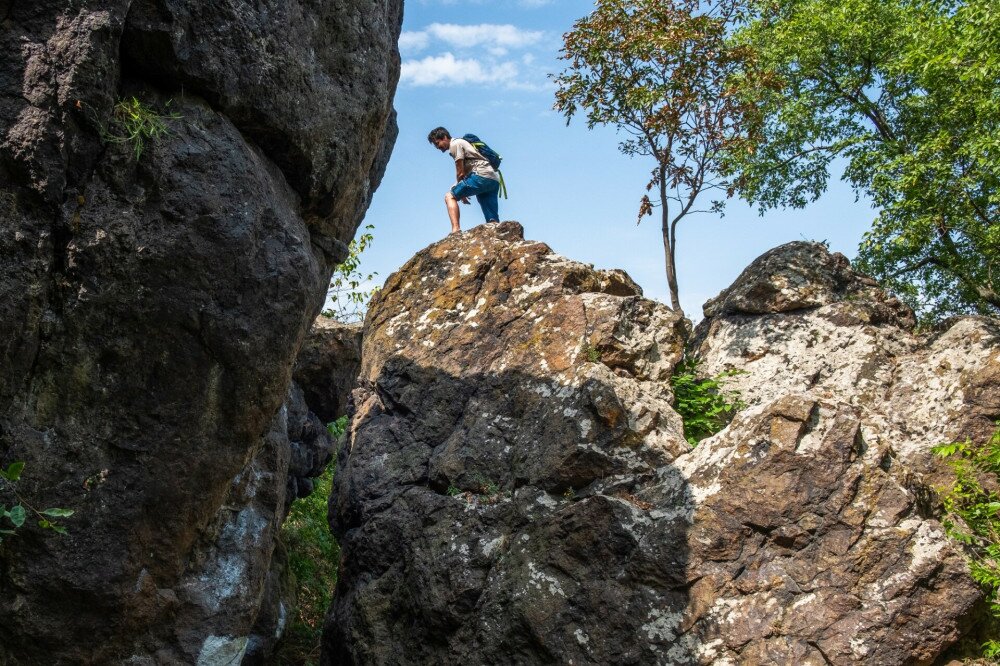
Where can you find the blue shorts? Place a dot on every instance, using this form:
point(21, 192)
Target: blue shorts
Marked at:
point(485, 189)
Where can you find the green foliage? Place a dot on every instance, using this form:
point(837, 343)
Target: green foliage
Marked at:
point(486, 486)
point(482, 491)
point(348, 299)
point(337, 428)
point(18, 513)
point(135, 123)
point(703, 403)
point(313, 557)
point(904, 92)
point(659, 71)
point(973, 515)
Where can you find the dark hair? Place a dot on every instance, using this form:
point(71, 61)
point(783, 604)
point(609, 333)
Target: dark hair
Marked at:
point(438, 133)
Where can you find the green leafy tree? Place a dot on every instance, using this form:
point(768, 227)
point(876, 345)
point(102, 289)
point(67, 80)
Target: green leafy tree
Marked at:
point(905, 93)
point(347, 295)
point(660, 72)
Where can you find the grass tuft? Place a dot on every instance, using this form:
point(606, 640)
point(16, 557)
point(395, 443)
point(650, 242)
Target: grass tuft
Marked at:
point(136, 123)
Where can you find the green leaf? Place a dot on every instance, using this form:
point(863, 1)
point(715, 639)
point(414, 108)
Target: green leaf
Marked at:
point(13, 472)
point(58, 513)
point(17, 515)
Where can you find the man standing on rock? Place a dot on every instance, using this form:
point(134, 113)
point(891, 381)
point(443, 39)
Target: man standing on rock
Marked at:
point(473, 175)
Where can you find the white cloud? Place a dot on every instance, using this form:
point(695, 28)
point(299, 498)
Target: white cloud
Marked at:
point(447, 69)
point(494, 37)
point(486, 34)
point(413, 42)
point(485, 53)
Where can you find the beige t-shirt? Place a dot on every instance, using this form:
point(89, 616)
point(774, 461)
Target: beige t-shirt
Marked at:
point(461, 149)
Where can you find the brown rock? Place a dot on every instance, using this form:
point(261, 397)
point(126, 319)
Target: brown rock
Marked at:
point(803, 275)
point(811, 549)
point(912, 391)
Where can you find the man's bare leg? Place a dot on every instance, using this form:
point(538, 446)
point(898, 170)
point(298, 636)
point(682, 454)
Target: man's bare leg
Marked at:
point(453, 213)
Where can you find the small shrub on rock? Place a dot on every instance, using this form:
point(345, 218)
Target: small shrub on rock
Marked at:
point(973, 518)
point(137, 123)
point(350, 290)
point(704, 405)
point(14, 517)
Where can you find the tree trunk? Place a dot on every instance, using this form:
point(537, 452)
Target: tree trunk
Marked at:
point(668, 249)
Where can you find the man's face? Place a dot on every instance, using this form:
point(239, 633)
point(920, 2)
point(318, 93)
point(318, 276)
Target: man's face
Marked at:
point(442, 144)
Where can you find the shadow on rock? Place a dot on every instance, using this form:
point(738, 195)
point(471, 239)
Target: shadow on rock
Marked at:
point(499, 519)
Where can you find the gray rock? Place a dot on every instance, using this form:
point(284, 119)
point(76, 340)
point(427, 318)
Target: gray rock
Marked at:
point(803, 275)
point(150, 312)
point(307, 81)
point(484, 409)
point(328, 365)
point(514, 488)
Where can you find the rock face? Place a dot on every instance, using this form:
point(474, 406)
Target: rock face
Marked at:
point(328, 365)
point(800, 320)
point(515, 487)
point(151, 308)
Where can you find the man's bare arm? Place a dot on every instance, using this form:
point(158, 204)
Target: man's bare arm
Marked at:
point(460, 176)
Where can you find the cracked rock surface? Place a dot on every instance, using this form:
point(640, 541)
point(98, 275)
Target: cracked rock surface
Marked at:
point(515, 488)
point(151, 308)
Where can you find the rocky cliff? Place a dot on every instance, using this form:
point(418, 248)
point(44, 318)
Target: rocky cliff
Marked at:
point(152, 302)
point(516, 488)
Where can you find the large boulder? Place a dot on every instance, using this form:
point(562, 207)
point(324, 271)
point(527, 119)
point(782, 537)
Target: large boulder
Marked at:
point(328, 365)
point(801, 276)
point(307, 81)
point(151, 307)
point(807, 547)
point(846, 340)
point(515, 488)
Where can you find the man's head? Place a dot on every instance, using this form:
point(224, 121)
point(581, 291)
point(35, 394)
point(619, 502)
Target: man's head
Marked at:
point(440, 138)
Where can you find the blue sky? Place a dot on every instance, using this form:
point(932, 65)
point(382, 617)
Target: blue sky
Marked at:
point(481, 66)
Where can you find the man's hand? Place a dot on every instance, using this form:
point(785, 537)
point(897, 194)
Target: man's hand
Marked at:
point(465, 200)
